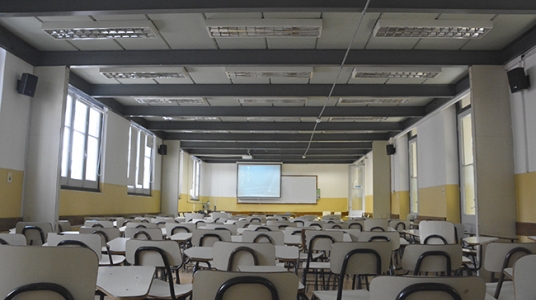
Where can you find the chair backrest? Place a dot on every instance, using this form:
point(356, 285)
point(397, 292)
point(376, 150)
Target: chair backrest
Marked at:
point(207, 237)
point(398, 224)
point(231, 227)
point(281, 224)
point(98, 223)
point(34, 236)
point(437, 232)
point(316, 224)
point(459, 231)
point(364, 262)
point(321, 240)
point(524, 286)
point(64, 225)
point(73, 268)
point(190, 216)
point(376, 225)
point(256, 219)
point(273, 237)
point(172, 228)
point(339, 225)
point(171, 248)
point(207, 283)
point(141, 225)
point(504, 255)
point(219, 216)
point(16, 239)
point(229, 255)
point(390, 287)
point(432, 258)
point(154, 234)
point(107, 234)
point(370, 236)
point(336, 218)
point(92, 241)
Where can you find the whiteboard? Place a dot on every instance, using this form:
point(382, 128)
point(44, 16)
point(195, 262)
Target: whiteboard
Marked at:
point(294, 190)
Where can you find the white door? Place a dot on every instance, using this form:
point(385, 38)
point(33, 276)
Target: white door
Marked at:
point(467, 172)
point(356, 198)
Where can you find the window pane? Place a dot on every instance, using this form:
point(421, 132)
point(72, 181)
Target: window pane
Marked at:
point(77, 156)
point(65, 152)
point(80, 117)
point(94, 122)
point(68, 110)
point(92, 158)
point(467, 134)
point(469, 190)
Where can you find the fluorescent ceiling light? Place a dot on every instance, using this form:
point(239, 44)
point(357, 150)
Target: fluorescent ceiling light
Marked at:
point(269, 72)
point(395, 72)
point(196, 118)
point(143, 73)
point(264, 28)
point(178, 101)
point(274, 119)
point(372, 101)
point(95, 30)
point(356, 119)
point(455, 29)
point(273, 101)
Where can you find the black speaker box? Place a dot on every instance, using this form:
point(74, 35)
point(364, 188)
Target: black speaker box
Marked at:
point(390, 149)
point(27, 84)
point(162, 150)
point(518, 80)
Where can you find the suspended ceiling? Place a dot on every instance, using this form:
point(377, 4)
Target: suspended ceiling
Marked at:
point(220, 118)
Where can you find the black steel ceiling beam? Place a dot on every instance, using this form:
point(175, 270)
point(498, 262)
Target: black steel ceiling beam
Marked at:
point(521, 45)
point(84, 7)
point(272, 152)
point(277, 126)
point(269, 57)
point(274, 111)
point(287, 161)
point(18, 47)
point(273, 137)
point(187, 145)
point(272, 90)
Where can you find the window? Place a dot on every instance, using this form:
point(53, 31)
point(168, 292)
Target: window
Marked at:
point(140, 160)
point(466, 164)
point(413, 186)
point(81, 149)
point(196, 173)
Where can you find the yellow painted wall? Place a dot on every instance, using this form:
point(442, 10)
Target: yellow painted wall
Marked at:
point(111, 200)
point(11, 193)
point(231, 204)
point(369, 204)
point(526, 197)
point(400, 204)
point(440, 201)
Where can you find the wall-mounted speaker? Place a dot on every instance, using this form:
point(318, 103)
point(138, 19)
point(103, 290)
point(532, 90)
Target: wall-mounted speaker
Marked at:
point(518, 80)
point(27, 84)
point(162, 150)
point(390, 149)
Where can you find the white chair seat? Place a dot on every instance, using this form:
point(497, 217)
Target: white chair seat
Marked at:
point(507, 290)
point(160, 289)
point(317, 265)
point(346, 295)
point(303, 256)
point(116, 260)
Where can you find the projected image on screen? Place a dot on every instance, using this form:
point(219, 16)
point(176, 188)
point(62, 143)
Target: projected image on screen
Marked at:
point(259, 181)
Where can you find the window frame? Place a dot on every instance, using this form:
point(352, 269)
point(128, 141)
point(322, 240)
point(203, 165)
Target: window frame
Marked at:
point(196, 179)
point(413, 168)
point(67, 181)
point(134, 187)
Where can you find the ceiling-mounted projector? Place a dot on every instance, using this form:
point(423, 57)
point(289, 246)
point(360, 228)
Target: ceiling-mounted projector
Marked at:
point(247, 157)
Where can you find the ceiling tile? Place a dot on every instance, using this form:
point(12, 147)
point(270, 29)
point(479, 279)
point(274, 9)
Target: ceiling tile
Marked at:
point(143, 44)
point(204, 75)
point(93, 45)
point(291, 43)
point(337, 34)
point(405, 80)
point(449, 75)
point(328, 75)
point(92, 75)
point(292, 15)
point(223, 101)
point(241, 43)
point(184, 31)
point(506, 28)
point(65, 18)
point(249, 15)
point(119, 17)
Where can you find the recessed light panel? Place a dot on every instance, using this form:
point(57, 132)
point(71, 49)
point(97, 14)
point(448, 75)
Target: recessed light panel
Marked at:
point(99, 30)
point(274, 119)
point(196, 118)
point(269, 72)
point(356, 119)
point(264, 28)
point(396, 72)
point(143, 73)
point(272, 101)
point(178, 101)
point(372, 101)
point(454, 29)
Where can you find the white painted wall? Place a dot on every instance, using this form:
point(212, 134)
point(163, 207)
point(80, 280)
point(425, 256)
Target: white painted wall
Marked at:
point(523, 105)
point(170, 178)
point(400, 165)
point(14, 112)
point(219, 180)
point(115, 149)
point(369, 172)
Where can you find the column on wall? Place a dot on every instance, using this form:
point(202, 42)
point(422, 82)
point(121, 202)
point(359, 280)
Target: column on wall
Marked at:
point(400, 178)
point(171, 178)
point(381, 185)
point(42, 176)
point(493, 151)
point(437, 163)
